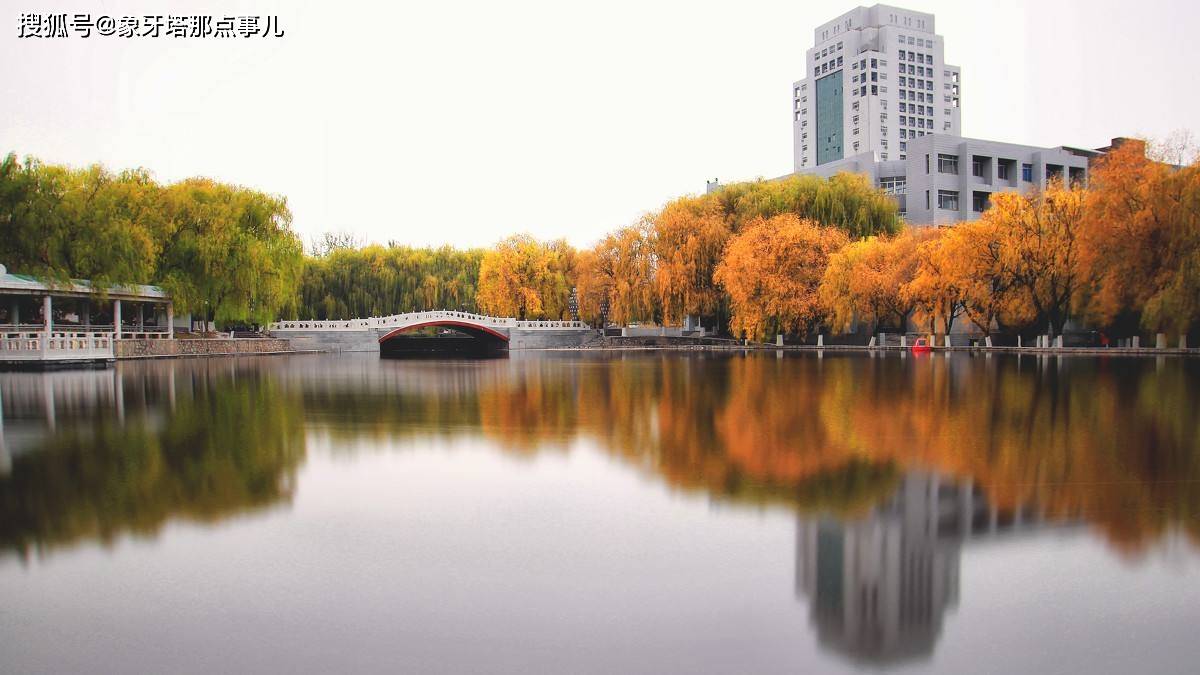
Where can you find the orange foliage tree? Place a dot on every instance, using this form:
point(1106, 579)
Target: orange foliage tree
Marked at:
point(1140, 242)
point(772, 271)
point(526, 278)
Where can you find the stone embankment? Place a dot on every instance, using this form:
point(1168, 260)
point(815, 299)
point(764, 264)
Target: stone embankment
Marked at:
point(143, 349)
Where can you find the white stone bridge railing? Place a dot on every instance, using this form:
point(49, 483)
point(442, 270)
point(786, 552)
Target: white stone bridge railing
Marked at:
point(24, 345)
point(413, 318)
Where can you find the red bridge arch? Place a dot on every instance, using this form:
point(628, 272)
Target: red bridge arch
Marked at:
point(474, 330)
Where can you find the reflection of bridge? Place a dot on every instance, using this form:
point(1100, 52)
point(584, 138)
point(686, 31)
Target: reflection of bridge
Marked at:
point(371, 333)
point(879, 586)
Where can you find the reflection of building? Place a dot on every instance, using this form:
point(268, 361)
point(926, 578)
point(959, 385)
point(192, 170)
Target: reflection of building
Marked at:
point(879, 586)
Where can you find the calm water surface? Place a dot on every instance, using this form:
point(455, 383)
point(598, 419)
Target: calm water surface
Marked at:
point(632, 513)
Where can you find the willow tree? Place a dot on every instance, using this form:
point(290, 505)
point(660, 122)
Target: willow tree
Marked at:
point(1140, 241)
point(527, 279)
point(689, 236)
point(64, 223)
point(846, 201)
point(1040, 247)
point(772, 271)
point(229, 254)
point(865, 280)
point(617, 275)
point(377, 280)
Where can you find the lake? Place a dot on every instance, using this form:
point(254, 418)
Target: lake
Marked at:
point(590, 512)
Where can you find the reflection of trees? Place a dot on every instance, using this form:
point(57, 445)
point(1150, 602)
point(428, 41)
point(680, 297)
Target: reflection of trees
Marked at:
point(231, 444)
point(1114, 442)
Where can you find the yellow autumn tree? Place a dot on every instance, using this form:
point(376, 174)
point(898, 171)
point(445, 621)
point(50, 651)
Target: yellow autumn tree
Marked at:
point(772, 270)
point(933, 290)
point(689, 235)
point(864, 280)
point(1039, 234)
point(969, 264)
point(618, 275)
point(526, 278)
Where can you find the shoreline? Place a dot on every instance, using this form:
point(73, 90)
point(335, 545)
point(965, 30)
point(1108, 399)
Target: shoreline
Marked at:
point(1038, 351)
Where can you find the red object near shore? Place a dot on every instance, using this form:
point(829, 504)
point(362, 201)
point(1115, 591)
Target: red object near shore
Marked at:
point(920, 346)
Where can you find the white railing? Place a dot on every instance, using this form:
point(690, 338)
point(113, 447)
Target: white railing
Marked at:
point(55, 346)
point(411, 318)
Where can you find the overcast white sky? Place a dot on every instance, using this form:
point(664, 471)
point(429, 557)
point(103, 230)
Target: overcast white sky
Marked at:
point(462, 122)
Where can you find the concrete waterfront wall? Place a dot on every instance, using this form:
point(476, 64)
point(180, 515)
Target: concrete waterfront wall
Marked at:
point(543, 338)
point(132, 349)
point(335, 341)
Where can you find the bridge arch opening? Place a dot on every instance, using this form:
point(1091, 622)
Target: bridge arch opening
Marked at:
point(451, 338)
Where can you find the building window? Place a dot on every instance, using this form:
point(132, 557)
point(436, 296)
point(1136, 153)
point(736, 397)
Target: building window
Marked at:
point(903, 145)
point(927, 207)
point(1027, 173)
point(948, 200)
point(979, 201)
point(947, 164)
point(893, 185)
point(977, 168)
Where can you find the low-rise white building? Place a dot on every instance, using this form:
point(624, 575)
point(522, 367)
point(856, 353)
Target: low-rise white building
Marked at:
point(947, 179)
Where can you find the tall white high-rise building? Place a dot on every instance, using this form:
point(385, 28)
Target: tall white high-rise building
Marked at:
point(876, 79)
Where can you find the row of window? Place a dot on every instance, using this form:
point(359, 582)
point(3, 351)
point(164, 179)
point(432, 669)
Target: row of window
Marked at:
point(917, 57)
point(949, 164)
point(830, 50)
point(920, 42)
point(826, 66)
point(947, 200)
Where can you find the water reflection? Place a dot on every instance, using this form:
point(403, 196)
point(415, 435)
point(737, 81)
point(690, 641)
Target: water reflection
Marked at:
point(1110, 442)
point(879, 586)
point(892, 465)
point(98, 454)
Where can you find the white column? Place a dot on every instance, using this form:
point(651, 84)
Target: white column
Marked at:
point(170, 320)
point(116, 319)
point(47, 325)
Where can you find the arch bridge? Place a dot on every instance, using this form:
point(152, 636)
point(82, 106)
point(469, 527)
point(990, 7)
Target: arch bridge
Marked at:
point(488, 333)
